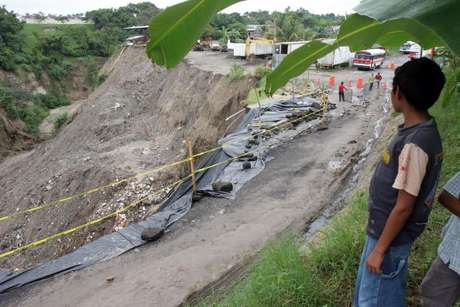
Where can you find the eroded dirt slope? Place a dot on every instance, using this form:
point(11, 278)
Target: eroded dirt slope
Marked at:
point(138, 119)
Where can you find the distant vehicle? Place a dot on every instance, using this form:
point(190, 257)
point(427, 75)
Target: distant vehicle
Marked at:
point(258, 47)
point(410, 47)
point(136, 40)
point(282, 49)
point(198, 46)
point(340, 56)
point(140, 39)
point(369, 59)
point(215, 46)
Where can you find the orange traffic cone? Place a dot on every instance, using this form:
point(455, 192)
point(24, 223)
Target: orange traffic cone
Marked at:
point(360, 83)
point(332, 80)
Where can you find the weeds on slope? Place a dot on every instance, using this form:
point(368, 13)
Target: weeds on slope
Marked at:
point(325, 276)
point(425, 248)
point(284, 276)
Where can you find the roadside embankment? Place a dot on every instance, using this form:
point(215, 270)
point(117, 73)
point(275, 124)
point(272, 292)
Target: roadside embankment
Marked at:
point(284, 275)
point(137, 120)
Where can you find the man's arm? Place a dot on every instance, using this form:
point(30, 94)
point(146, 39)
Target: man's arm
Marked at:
point(395, 223)
point(450, 203)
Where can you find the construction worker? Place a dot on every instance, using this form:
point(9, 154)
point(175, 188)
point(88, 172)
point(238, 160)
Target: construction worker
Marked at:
point(341, 92)
point(378, 78)
point(371, 82)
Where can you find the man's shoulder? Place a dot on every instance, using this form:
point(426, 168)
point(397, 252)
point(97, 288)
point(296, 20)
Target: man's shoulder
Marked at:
point(426, 137)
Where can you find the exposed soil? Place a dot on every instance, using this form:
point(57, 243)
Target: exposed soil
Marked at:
point(218, 235)
point(137, 119)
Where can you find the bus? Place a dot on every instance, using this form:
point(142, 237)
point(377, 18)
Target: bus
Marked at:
point(369, 59)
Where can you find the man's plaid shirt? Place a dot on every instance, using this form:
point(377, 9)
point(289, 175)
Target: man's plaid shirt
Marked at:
point(449, 249)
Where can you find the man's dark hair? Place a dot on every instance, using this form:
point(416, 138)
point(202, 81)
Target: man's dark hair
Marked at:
point(341, 82)
point(420, 81)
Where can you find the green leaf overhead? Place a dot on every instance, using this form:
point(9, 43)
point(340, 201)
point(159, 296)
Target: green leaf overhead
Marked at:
point(398, 31)
point(390, 23)
point(441, 16)
point(353, 29)
point(358, 32)
point(174, 31)
point(295, 64)
point(299, 60)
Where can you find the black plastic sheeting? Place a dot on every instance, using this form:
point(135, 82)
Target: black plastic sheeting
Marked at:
point(179, 201)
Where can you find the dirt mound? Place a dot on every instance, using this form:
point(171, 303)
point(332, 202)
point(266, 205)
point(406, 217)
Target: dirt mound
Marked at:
point(136, 120)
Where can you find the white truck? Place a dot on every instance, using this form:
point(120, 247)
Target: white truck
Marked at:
point(341, 55)
point(252, 47)
point(410, 47)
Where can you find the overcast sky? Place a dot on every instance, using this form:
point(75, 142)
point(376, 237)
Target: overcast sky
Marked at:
point(80, 6)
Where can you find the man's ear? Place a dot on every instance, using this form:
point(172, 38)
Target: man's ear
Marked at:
point(398, 93)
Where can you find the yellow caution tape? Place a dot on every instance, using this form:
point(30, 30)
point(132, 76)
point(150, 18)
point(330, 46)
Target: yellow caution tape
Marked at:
point(106, 217)
point(128, 179)
point(101, 188)
point(90, 223)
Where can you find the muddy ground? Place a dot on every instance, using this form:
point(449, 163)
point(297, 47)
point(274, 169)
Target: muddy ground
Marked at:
point(125, 128)
point(218, 235)
point(139, 118)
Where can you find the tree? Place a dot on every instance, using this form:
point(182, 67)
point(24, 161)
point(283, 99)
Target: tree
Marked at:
point(10, 42)
point(392, 22)
point(143, 12)
point(130, 15)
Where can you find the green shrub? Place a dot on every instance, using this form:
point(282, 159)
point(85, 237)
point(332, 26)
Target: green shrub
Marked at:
point(236, 73)
point(60, 120)
point(8, 103)
point(101, 78)
point(261, 72)
point(59, 71)
point(52, 100)
point(32, 115)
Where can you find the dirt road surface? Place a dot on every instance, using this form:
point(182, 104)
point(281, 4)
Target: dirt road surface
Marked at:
point(217, 235)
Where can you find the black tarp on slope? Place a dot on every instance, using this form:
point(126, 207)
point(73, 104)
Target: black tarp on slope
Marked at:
point(179, 201)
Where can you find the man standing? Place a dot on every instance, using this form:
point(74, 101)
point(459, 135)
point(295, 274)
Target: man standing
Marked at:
point(441, 285)
point(371, 82)
point(341, 92)
point(403, 187)
point(378, 78)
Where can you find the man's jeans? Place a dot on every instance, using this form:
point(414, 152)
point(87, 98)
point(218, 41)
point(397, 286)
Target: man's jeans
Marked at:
point(386, 289)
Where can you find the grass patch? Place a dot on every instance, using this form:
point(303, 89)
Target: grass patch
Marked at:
point(325, 276)
point(284, 276)
point(60, 120)
point(237, 72)
point(257, 94)
point(261, 72)
point(425, 248)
